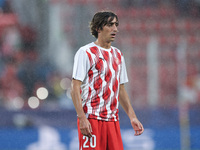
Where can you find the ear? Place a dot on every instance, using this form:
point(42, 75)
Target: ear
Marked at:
point(98, 30)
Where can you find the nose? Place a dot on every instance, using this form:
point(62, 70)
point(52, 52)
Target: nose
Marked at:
point(115, 28)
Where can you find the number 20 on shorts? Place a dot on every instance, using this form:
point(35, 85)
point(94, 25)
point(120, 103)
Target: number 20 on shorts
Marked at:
point(89, 142)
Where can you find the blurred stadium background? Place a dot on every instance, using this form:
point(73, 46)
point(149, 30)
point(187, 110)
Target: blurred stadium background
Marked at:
point(161, 43)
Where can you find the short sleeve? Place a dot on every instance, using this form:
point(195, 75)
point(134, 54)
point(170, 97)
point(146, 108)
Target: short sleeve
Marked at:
point(123, 75)
point(81, 65)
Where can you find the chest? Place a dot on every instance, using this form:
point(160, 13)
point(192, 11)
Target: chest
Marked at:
point(106, 62)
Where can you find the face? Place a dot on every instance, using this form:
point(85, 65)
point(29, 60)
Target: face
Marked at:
point(109, 31)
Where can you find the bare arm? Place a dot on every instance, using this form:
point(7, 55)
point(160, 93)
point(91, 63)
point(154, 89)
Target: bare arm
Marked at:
point(84, 124)
point(126, 105)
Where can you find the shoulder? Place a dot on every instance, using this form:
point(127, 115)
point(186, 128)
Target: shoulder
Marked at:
point(85, 48)
point(86, 52)
point(117, 50)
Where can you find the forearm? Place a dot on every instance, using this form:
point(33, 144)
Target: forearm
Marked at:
point(76, 98)
point(125, 102)
point(84, 124)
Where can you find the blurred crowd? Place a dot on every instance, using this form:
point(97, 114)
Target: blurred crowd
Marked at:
point(23, 71)
point(186, 7)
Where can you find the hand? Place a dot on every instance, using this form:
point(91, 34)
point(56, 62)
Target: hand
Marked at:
point(137, 126)
point(85, 127)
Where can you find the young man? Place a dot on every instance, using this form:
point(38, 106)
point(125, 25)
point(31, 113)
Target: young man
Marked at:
point(97, 88)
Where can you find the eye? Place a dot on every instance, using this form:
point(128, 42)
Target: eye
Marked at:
point(110, 24)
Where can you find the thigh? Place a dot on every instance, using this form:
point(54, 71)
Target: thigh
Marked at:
point(98, 141)
point(114, 136)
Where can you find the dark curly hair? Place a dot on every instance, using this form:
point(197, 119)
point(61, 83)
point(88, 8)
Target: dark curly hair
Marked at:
point(101, 19)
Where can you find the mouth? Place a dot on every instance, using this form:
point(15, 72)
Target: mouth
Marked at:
point(113, 34)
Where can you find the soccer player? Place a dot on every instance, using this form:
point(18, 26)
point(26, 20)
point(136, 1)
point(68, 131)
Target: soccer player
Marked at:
point(97, 88)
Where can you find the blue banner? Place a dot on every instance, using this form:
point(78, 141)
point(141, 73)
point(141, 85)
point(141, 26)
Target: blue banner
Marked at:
point(49, 138)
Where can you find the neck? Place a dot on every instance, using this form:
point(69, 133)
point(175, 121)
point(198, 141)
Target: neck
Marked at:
point(105, 45)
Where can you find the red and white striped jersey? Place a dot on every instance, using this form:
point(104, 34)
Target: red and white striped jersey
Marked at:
point(101, 72)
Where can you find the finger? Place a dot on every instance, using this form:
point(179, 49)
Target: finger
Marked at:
point(140, 132)
point(89, 135)
point(142, 129)
point(141, 126)
point(89, 132)
point(137, 133)
point(83, 132)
